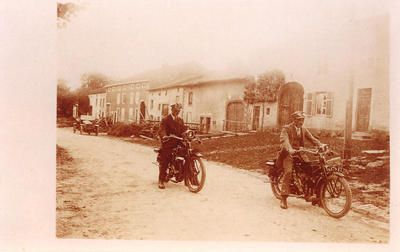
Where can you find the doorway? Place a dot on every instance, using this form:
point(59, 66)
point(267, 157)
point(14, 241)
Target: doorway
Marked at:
point(363, 109)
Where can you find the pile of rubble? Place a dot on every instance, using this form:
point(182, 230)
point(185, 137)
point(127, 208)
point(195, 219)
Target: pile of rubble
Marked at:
point(369, 178)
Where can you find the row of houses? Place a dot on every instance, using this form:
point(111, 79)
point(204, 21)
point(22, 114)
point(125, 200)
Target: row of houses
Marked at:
point(216, 102)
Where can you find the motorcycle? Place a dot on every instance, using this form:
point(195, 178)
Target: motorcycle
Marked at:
point(321, 181)
point(186, 164)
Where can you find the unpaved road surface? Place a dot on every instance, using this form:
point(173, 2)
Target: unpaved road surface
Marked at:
point(109, 191)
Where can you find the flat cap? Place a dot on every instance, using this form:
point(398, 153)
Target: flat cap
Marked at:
point(176, 106)
point(298, 115)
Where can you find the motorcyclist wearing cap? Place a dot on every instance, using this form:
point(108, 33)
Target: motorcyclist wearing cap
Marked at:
point(292, 139)
point(170, 125)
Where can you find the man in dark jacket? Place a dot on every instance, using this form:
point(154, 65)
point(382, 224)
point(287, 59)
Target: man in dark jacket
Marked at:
point(170, 125)
point(292, 139)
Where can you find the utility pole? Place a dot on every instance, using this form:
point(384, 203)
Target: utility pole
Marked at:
point(348, 125)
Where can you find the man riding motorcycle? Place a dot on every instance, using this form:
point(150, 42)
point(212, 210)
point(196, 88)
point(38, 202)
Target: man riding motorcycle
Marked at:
point(291, 140)
point(170, 125)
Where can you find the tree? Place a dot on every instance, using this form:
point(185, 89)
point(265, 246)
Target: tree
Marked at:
point(90, 83)
point(268, 84)
point(64, 13)
point(264, 89)
point(65, 99)
point(250, 93)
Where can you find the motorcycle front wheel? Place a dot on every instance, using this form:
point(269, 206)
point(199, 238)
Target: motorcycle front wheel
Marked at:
point(336, 196)
point(276, 185)
point(196, 175)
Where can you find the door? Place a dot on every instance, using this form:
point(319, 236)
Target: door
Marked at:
point(363, 109)
point(290, 100)
point(256, 117)
point(235, 117)
point(142, 111)
point(205, 123)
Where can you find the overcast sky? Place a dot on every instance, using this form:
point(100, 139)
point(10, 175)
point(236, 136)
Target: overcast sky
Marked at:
point(122, 37)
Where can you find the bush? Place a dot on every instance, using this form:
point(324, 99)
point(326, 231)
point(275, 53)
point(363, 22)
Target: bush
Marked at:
point(65, 122)
point(380, 135)
point(125, 130)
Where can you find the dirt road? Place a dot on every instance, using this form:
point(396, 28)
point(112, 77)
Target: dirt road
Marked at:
point(109, 191)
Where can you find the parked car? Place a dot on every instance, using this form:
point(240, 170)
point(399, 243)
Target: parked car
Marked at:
point(86, 126)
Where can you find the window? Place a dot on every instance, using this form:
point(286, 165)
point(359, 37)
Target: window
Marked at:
point(122, 114)
point(190, 98)
point(268, 111)
point(159, 107)
point(118, 115)
point(309, 104)
point(118, 98)
point(151, 104)
point(131, 98)
point(166, 91)
point(177, 99)
point(123, 98)
point(137, 97)
point(319, 103)
point(188, 117)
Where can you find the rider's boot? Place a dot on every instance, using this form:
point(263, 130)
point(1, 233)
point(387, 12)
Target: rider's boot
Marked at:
point(284, 202)
point(310, 198)
point(161, 184)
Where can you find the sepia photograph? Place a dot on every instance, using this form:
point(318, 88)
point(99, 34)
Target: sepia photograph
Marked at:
point(223, 120)
point(244, 122)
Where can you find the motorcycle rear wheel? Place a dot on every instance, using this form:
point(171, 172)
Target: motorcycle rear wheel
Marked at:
point(196, 176)
point(276, 185)
point(336, 196)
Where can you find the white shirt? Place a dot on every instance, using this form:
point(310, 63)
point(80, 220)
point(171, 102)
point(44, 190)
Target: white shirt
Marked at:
point(298, 130)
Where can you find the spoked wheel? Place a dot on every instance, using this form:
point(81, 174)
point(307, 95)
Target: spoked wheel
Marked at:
point(335, 196)
point(196, 176)
point(276, 185)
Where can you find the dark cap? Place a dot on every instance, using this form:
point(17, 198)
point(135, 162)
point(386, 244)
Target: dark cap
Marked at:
point(176, 106)
point(298, 115)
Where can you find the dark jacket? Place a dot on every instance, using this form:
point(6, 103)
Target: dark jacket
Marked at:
point(169, 126)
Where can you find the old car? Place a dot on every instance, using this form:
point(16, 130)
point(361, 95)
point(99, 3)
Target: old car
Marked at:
point(86, 126)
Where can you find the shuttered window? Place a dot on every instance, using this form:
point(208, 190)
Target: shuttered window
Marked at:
point(319, 103)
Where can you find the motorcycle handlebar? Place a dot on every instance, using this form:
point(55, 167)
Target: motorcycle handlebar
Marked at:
point(321, 149)
point(166, 138)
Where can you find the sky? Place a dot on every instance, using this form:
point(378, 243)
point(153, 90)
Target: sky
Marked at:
point(121, 38)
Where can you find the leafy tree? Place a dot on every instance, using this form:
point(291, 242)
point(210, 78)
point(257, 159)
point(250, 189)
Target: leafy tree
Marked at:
point(250, 93)
point(90, 83)
point(265, 89)
point(64, 13)
point(65, 99)
point(268, 84)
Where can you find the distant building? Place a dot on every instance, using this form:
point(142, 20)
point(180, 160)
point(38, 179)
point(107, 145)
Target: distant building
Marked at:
point(126, 101)
point(213, 104)
point(97, 103)
point(330, 60)
point(361, 56)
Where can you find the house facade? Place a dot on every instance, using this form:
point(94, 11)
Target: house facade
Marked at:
point(97, 102)
point(214, 105)
point(126, 102)
point(364, 76)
